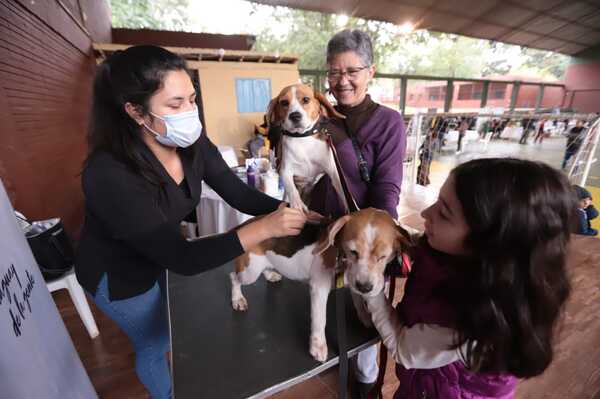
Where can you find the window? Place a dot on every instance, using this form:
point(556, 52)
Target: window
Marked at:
point(477, 91)
point(470, 91)
point(465, 91)
point(433, 93)
point(253, 95)
point(498, 90)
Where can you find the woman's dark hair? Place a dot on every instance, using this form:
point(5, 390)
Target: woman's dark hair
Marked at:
point(520, 214)
point(132, 75)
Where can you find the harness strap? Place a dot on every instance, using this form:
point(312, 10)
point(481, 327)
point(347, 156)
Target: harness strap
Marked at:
point(340, 308)
point(352, 205)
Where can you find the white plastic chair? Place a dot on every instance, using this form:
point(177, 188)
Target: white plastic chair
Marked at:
point(69, 282)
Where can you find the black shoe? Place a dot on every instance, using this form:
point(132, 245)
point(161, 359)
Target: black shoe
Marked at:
point(361, 390)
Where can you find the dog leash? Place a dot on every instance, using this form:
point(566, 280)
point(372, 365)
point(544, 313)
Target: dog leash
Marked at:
point(375, 392)
point(352, 205)
point(340, 308)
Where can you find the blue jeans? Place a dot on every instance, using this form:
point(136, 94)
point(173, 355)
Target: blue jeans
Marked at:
point(367, 370)
point(144, 319)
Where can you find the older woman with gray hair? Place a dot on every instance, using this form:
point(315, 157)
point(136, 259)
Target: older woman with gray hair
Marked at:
point(373, 163)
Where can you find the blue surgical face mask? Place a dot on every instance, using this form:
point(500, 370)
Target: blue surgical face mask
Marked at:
point(183, 129)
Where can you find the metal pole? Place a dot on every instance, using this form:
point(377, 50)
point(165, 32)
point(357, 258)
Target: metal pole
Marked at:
point(590, 159)
point(319, 83)
point(403, 82)
point(484, 94)
point(449, 94)
point(514, 96)
point(540, 97)
point(417, 130)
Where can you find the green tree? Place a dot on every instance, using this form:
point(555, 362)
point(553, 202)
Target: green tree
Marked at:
point(308, 34)
point(440, 54)
point(421, 52)
point(546, 62)
point(150, 14)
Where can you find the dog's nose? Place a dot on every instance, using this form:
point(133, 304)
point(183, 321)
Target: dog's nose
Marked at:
point(364, 287)
point(295, 116)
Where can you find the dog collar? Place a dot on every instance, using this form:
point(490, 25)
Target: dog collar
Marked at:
point(339, 270)
point(319, 127)
point(339, 279)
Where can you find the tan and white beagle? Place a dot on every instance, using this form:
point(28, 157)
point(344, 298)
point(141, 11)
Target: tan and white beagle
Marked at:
point(360, 244)
point(298, 109)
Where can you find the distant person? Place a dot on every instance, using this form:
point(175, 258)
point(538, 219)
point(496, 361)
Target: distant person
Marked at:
point(483, 129)
point(586, 212)
point(540, 133)
point(500, 128)
point(462, 130)
point(574, 140)
point(528, 125)
point(425, 158)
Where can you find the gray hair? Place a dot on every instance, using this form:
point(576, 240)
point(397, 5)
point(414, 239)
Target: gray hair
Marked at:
point(351, 40)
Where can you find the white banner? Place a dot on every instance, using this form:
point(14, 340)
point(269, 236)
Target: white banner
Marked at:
point(37, 356)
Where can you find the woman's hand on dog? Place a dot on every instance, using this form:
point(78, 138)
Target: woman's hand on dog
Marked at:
point(285, 221)
point(280, 223)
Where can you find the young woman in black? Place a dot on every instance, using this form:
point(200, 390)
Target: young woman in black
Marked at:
point(148, 155)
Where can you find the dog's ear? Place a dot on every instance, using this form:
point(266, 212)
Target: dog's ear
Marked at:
point(404, 240)
point(328, 238)
point(327, 109)
point(404, 248)
point(272, 111)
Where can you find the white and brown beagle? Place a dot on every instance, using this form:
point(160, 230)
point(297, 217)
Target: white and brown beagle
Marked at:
point(304, 153)
point(360, 244)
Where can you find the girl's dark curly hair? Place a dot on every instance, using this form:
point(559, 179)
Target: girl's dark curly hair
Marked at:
point(520, 215)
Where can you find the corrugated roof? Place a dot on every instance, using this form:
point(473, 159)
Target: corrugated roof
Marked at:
point(564, 26)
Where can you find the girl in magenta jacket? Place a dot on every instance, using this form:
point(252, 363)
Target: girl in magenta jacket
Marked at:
point(487, 286)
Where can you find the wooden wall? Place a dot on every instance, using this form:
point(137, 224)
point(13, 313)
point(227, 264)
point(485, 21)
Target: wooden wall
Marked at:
point(46, 73)
point(224, 125)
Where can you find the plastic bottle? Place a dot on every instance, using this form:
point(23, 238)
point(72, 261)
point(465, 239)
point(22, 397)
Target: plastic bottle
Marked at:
point(251, 175)
point(271, 183)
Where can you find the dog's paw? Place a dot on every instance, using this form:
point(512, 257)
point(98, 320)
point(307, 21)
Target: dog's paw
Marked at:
point(318, 348)
point(239, 304)
point(272, 276)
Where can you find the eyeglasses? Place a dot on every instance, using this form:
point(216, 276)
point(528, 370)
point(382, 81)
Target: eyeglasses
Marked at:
point(351, 73)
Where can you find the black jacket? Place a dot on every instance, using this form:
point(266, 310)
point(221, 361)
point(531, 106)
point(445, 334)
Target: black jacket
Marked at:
point(132, 228)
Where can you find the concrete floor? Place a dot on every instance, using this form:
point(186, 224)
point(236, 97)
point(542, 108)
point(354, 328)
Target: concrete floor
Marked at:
point(551, 151)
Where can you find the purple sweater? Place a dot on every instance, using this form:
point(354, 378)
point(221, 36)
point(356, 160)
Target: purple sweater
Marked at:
point(420, 305)
point(382, 139)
